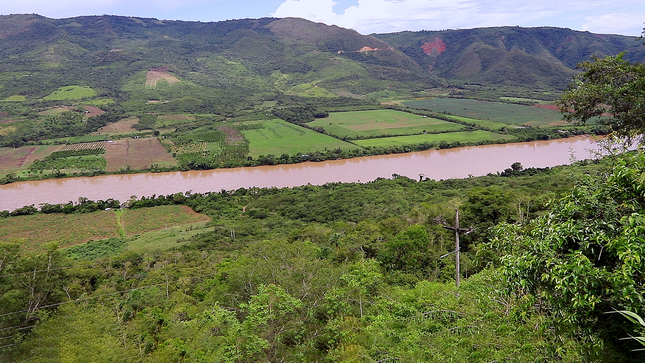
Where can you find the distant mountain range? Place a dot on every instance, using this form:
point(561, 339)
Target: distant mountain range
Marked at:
point(254, 60)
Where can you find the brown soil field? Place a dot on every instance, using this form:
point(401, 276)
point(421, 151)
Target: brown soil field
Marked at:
point(65, 229)
point(121, 127)
point(153, 77)
point(138, 154)
point(93, 111)
point(147, 219)
point(548, 106)
point(233, 137)
point(12, 160)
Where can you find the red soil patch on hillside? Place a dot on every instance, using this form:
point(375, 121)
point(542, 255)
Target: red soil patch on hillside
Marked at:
point(434, 48)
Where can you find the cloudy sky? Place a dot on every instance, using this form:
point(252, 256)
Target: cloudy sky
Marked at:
point(368, 16)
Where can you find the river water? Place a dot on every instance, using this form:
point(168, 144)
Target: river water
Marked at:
point(433, 164)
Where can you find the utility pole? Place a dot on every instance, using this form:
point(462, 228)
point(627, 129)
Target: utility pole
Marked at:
point(456, 251)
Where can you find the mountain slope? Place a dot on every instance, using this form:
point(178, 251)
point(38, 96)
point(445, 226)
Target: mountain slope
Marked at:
point(232, 65)
point(527, 57)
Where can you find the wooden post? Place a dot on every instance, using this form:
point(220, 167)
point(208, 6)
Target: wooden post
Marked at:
point(457, 246)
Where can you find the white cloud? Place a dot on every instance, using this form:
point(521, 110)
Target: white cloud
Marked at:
point(371, 16)
point(616, 23)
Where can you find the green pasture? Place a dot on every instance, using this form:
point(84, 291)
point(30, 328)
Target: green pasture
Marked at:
point(279, 137)
point(15, 98)
point(168, 121)
point(449, 137)
point(71, 93)
point(484, 110)
point(376, 123)
point(488, 124)
point(522, 99)
point(100, 102)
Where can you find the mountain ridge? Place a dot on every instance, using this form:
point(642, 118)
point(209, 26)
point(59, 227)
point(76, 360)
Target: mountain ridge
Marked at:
point(252, 60)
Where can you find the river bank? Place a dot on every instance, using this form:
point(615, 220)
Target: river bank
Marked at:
point(432, 164)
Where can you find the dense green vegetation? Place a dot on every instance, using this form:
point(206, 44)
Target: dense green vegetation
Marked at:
point(348, 272)
point(338, 272)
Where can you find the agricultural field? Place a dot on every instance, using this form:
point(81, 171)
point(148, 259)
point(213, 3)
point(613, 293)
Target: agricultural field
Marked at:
point(89, 110)
point(17, 160)
point(136, 221)
point(277, 137)
point(449, 137)
point(122, 127)
point(33, 231)
point(486, 124)
point(169, 121)
point(65, 229)
point(154, 77)
point(136, 154)
point(73, 158)
point(377, 123)
point(484, 110)
point(71, 93)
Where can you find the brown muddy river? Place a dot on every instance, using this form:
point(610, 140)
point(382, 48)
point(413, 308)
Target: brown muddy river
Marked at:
point(433, 164)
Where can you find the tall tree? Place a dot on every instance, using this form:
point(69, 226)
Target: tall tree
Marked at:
point(612, 87)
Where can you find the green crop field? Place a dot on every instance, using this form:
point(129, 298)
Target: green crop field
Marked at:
point(71, 93)
point(488, 124)
point(449, 137)
point(375, 123)
point(484, 110)
point(279, 137)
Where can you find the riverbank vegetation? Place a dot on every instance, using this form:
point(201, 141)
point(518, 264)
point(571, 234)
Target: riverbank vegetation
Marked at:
point(339, 272)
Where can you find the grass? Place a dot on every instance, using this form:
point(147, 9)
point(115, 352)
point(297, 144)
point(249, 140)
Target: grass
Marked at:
point(279, 137)
point(137, 221)
point(166, 238)
point(488, 124)
point(15, 98)
point(77, 139)
point(158, 240)
point(168, 121)
point(449, 137)
point(65, 229)
point(33, 231)
point(71, 93)
point(376, 123)
point(310, 90)
point(484, 110)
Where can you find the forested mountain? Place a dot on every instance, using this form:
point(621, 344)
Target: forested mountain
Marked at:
point(238, 63)
point(530, 57)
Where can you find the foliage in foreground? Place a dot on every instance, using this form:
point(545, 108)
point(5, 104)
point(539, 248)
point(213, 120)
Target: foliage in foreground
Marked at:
point(340, 272)
point(586, 256)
